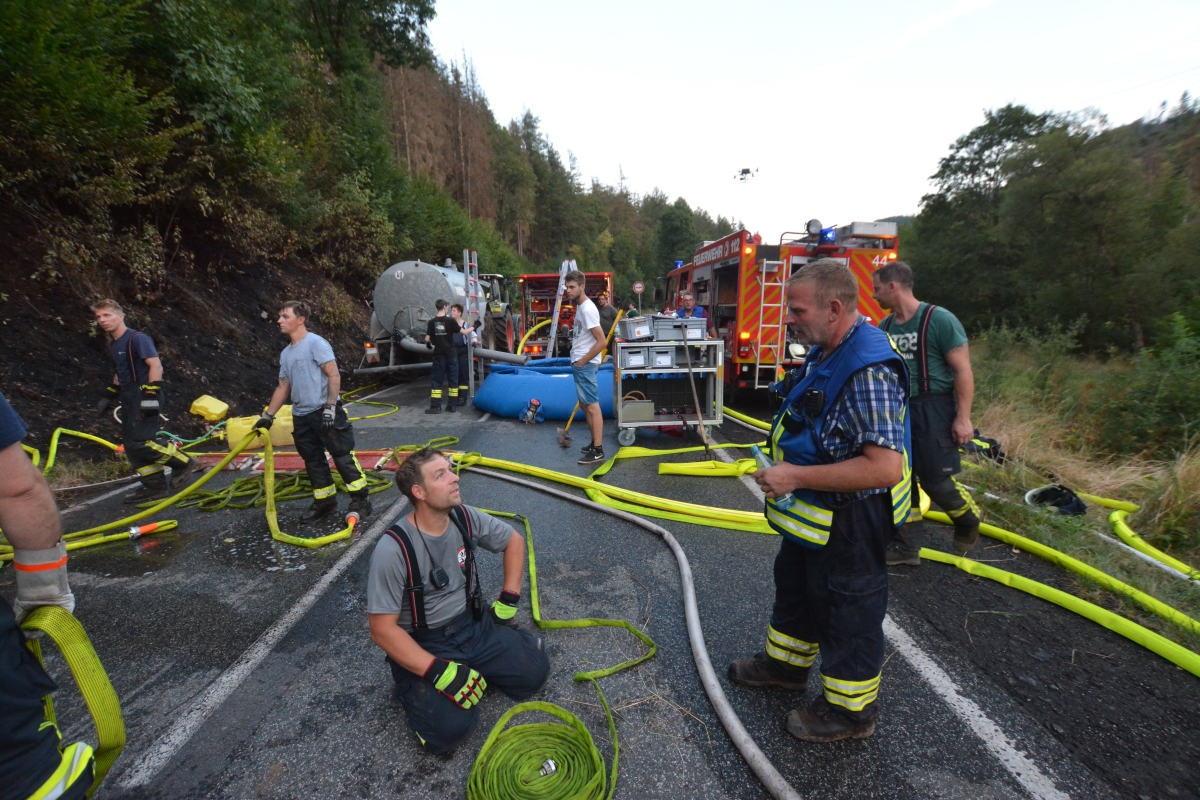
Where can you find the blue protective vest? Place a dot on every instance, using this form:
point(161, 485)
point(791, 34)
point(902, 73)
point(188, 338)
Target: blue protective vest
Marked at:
point(809, 521)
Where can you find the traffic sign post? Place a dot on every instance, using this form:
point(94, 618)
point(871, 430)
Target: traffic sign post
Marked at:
point(638, 288)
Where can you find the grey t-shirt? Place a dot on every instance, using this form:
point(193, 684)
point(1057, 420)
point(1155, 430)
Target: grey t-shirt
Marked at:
point(388, 577)
point(301, 364)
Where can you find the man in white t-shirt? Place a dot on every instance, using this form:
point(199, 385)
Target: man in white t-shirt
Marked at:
point(587, 344)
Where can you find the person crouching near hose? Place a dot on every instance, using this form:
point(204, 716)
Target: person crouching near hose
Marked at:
point(426, 609)
point(309, 377)
point(839, 487)
point(33, 762)
point(934, 344)
point(137, 384)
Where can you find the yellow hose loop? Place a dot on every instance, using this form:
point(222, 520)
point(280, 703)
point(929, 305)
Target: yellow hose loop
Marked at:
point(1131, 538)
point(1176, 654)
point(392, 407)
point(6, 551)
point(757, 423)
point(528, 333)
point(273, 518)
point(1105, 580)
point(246, 441)
point(52, 453)
point(70, 638)
point(509, 765)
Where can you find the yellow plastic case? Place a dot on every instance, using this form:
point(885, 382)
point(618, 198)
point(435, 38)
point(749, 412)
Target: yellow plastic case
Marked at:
point(210, 408)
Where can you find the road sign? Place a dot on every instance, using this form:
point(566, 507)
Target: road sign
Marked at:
point(638, 287)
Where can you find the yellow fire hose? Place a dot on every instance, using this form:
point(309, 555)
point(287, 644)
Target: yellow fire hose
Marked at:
point(528, 333)
point(509, 765)
point(751, 421)
point(392, 407)
point(68, 635)
point(52, 452)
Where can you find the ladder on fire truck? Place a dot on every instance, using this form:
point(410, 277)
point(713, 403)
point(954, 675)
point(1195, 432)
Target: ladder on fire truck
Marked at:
point(775, 320)
point(566, 267)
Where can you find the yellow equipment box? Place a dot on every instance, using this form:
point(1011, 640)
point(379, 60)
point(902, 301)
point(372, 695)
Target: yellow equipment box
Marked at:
point(210, 408)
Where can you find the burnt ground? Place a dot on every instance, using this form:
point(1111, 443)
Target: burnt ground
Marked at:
point(216, 335)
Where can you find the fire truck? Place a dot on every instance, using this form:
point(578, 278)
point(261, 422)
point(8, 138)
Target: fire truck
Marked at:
point(739, 282)
point(537, 296)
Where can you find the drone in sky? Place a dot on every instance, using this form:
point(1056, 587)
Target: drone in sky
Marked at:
point(746, 174)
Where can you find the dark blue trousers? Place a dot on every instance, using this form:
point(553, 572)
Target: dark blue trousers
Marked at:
point(832, 600)
point(444, 378)
point(511, 660)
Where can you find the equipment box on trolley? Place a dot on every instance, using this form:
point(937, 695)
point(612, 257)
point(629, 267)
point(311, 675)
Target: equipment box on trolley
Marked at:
point(660, 393)
point(676, 329)
point(633, 358)
point(632, 329)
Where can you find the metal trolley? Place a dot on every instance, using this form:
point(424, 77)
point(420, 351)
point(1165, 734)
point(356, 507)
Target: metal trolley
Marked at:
point(651, 384)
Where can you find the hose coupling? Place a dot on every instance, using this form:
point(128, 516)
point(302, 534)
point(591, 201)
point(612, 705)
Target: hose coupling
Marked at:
point(138, 531)
point(549, 767)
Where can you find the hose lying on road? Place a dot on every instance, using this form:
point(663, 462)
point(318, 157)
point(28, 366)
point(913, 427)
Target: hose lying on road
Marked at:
point(746, 421)
point(511, 758)
point(774, 783)
point(392, 407)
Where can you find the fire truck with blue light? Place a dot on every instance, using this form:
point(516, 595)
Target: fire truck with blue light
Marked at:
point(739, 281)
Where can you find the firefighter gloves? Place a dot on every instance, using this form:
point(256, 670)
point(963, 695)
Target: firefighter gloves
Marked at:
point(265, 421)
point(463, 685)
point(42, 580)
point(328, 416)
point(151, 399)
point(504, 610)
point(108, 395)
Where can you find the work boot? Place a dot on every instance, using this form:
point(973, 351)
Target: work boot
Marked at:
point(450, 408)
point(318, 509)
point(433, 410)
point(895, 557)
point(179, 476)
point(762, 670)
point(822, 722)
point(361, 506)
point(593, 456)
point(965, 539)
point(147, 492)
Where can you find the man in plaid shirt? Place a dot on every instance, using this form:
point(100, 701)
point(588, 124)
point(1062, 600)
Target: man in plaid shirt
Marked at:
point(840, 485)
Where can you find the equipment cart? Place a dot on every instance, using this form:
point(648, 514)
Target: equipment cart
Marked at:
point(651, 384)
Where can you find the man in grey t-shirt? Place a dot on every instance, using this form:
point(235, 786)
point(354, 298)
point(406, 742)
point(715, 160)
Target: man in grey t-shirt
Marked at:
point(422, 592)
point(309, 376)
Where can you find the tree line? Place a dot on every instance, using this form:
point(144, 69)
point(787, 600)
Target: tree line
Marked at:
point(1044, 220)
point(149, 141)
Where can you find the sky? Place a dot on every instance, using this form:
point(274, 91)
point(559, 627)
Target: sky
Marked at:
point(843, 109)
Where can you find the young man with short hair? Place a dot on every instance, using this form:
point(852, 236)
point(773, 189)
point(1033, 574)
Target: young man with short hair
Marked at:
point(587, 344)
point(460, 348)
point(309, 377)
point(439, 334)
point(138, 384)
point(934, 344)
point(426, 612)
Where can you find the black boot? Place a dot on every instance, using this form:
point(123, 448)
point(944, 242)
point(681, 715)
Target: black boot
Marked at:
point(153, 488)
point(318, 509)
point(433, 410)
point(762, 670)
point(180, 475)
point(965, 538)
point(905, 547)
point(822, 722)
point(360, 505)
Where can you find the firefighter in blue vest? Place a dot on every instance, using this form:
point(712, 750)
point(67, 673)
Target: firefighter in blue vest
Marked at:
point(838, 489)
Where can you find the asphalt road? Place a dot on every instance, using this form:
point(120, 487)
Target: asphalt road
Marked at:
point(245, 668)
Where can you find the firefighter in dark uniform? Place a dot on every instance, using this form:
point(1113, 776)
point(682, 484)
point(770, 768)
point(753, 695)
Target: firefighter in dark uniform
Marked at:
point(461, 352)
point(443, 375)
point(839, 487)
point(138, 384)
point(934, 344)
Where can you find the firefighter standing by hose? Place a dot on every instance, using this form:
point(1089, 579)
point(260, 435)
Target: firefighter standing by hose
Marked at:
point(460, 349)
point(308, 375)
point(443, 375)
point(32, 764)
point(934, 343)
point(839, 487)
point(138, 384)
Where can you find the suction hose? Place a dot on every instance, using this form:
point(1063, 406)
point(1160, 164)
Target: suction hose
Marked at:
point(762, 768)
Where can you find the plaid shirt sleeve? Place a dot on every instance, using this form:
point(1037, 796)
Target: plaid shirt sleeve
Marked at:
point(869, 410)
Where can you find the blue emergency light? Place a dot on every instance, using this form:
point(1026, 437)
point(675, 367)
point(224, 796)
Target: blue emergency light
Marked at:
point(828, 235)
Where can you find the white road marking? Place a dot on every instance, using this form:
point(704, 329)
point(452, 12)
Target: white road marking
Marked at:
point(1023, 770)
point(228, 681)
point(94, 500)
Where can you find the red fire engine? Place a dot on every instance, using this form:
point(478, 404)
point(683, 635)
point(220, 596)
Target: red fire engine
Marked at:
point(537, 295)
point(739, 283)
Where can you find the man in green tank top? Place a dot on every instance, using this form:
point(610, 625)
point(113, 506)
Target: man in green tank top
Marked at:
point(941, 387)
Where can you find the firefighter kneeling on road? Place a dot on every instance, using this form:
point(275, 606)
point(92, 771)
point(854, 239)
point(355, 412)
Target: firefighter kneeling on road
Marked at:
point(840, 444)
point(426, 612)
point(308, 374)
